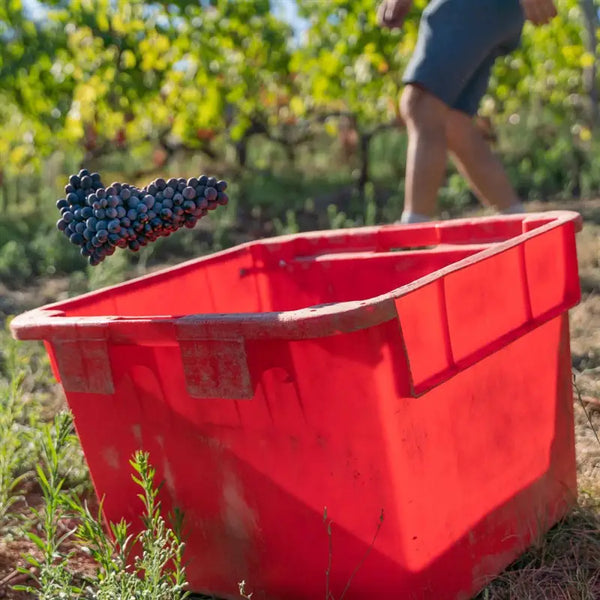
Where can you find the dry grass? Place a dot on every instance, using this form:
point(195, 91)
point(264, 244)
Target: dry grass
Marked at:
point(564, 565)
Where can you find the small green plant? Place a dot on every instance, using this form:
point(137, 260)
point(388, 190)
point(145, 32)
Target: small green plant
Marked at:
point(14, 443)
point(157, 571)
point(338, 219)
point(290, 226)
point(154, 572)
point(50, 572)
point(370, 205)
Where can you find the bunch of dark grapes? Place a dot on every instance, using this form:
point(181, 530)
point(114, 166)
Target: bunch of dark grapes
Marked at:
point(101, 219)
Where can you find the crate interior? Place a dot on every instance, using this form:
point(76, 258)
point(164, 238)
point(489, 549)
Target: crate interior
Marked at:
point(236, 282)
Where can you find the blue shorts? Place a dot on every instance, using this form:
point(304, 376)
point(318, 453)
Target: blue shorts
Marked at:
point(458, 43)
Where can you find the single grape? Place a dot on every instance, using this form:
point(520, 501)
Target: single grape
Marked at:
point(221, 185)
point(211, 182)
point(76, 239)
point(88, 234)
point(62, 203)
point(101, 224)
point(80, 227)
point(134, 245)
point(69, 189)
point(61, 224)
point(192, 182)
point(114, 226)
point(160, 183)
point(101, 193)
point(189, 206)
point(72, 198)
point(102, 235)
point(83, 173)
point(121, 212)
point(132, 214)
point(68, 216)
point(125, 222)
point(203, 179)
point(211, 194)
point(169, 192)
point(149, 200)
point(110, 191)
point(125, 194)
point(74, 181)
point(86, 182)
point(142, 208)
point(189, 193)
point(178, 199)
point(111, 213)
point(100, 213)
point(190, 222)
point(222, 198)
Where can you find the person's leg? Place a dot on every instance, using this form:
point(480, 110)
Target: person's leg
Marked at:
point(458, 42)
point(425, 118)
point(477, 163)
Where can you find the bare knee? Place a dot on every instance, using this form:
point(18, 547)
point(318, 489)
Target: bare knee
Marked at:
point(421, 110)
point(462, 133)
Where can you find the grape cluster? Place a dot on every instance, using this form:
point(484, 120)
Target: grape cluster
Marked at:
point(100, 219)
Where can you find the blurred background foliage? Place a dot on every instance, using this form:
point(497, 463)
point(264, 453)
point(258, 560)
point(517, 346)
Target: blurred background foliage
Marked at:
point(300, 113)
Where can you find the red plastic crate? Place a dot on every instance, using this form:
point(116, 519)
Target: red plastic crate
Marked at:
point(421, 373)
